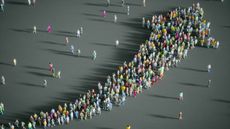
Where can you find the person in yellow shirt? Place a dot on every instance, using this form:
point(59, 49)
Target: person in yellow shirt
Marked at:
point(128, 127)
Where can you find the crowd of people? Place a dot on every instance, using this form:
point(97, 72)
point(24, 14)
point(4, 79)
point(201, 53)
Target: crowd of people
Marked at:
point(172, 36)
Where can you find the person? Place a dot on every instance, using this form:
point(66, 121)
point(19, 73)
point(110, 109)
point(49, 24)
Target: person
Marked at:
point(181, 96)
point(50, 66)
point(128, 10)
point(3, 2)
point(222, 1)
point(16, 123)
point(94, 55)
point(1, 108)
point(14, 62)
point(108, 2)
point(78, 33)
point(29, 125)
point(81, 30)
point(72, 49)
point(122, 3)
point(29, 2)
point(34, 1)
point(3, 80)
point(59, 74)
point(66, 40)
point(35, 30)
point(104, 13)
point(117, 43)
point(144, 3)
point(209, 68)
point(78, 52)
point(143, 21)
point(2, 126)
point(128, 127)
point(180, 116)
point(115, 18)
point(2, 7)
point(49, 29)
point(209, 82)
point(44, 83)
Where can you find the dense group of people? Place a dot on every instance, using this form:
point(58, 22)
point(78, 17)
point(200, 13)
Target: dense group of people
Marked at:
point(172, 36)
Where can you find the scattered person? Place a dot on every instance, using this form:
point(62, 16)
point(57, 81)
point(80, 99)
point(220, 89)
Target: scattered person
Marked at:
point(128, 10)
point(117, 43)
point(209, 82)
point(78, 33)
point(144, 3)
point(2, 7)
point(35, 30)
point(59, 74)
point(94, 54)
point(66, 40)
point(3, 80)
point(14, 62)
point(78, 52)
point(34, 1)
point(122, 3)
point(180, 116)
point(115, 18)
point(3, 2)
point(104, 13)
point(44, 83)
point(50, 66)
point(72, 49)
point(181, 96)
point(209, 68)
point(49, 29)
point(108, 2)
point(81, 30)
point(2, 108)
point(29, 2)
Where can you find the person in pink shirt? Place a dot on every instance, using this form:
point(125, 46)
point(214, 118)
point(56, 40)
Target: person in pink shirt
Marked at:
point(49, 28)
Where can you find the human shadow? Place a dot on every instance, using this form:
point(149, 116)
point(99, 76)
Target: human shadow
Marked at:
point(114, 12)
point(103, 128)
point(23, 30)
point(59, 52)
point(6, 64)
point(226, 26)
point(39, 74)
point(133, 4)
point(163, 97)
point(96, 4)
point(35, 67)
point(103, 44)
point(100, 20)
point(53, 43)
point(163, 116)
point(222, 101)
point(91, 15)
point(29, 84)
point(193, 84)
point(68, 53)
point(16, 3)
point(192, 69)
point(64, 34)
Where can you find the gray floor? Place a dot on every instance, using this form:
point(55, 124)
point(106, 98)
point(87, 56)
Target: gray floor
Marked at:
point(157, 108)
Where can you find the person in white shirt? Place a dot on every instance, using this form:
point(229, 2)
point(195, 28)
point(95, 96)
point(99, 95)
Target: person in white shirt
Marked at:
point(181, 96)
point(117, 43)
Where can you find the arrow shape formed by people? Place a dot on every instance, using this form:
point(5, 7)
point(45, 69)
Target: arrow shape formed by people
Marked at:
point(172, 36)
